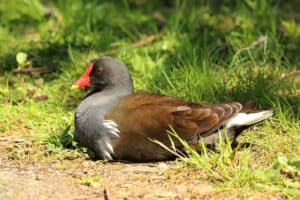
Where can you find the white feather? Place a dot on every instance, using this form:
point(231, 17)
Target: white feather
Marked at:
point(107, 155)
point(109, 123)
point(109, 146)
point(111, 132)
point(245, 119)
point(111, 126)
point(115, 133)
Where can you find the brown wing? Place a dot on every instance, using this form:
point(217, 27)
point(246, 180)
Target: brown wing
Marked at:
point(152, 114)
point(141, 116)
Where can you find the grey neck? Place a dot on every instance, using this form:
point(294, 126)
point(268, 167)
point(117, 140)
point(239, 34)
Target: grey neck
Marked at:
point(103, 100)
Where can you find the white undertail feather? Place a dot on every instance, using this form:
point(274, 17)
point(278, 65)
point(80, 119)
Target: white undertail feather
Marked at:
point(246, 119)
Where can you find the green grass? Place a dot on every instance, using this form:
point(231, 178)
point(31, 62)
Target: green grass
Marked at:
point(91, 180)
point(207, 52)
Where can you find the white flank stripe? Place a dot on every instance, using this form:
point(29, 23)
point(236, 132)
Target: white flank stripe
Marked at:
point(109, 123)
point(115, 133)
point(107, 156)
point(109, 147)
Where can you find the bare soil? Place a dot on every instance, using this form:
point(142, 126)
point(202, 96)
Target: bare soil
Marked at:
point(27, 173)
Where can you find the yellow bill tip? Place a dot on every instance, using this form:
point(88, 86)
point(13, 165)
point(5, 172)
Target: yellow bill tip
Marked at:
point(73, 87)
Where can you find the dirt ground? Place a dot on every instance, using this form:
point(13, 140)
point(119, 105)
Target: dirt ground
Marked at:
point(27, 177)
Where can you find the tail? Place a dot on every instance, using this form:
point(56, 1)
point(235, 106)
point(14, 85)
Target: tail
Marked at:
point(235, 125)
point(248, 119)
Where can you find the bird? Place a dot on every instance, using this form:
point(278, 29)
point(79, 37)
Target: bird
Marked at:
point(119, 124)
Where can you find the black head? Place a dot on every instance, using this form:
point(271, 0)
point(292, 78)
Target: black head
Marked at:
point(101, 73)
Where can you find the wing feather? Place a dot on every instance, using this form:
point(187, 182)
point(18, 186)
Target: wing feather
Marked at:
point(152, 115)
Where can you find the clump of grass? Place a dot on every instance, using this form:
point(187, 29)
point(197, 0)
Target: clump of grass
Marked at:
point(243, 168)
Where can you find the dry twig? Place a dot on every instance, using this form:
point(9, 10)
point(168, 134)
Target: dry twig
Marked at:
point(34, 70)
point(145, 41)
point(106, 194)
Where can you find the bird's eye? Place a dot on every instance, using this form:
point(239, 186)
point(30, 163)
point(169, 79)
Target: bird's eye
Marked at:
point(99, 71)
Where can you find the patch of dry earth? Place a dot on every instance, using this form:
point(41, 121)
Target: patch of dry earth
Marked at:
point(28, 178)
point(27, 172)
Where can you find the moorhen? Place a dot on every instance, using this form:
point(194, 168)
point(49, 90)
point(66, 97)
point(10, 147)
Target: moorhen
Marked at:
point(119, 124)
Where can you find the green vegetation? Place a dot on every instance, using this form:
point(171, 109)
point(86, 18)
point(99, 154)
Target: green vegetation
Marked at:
point(203, 51)
point(91, 180)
